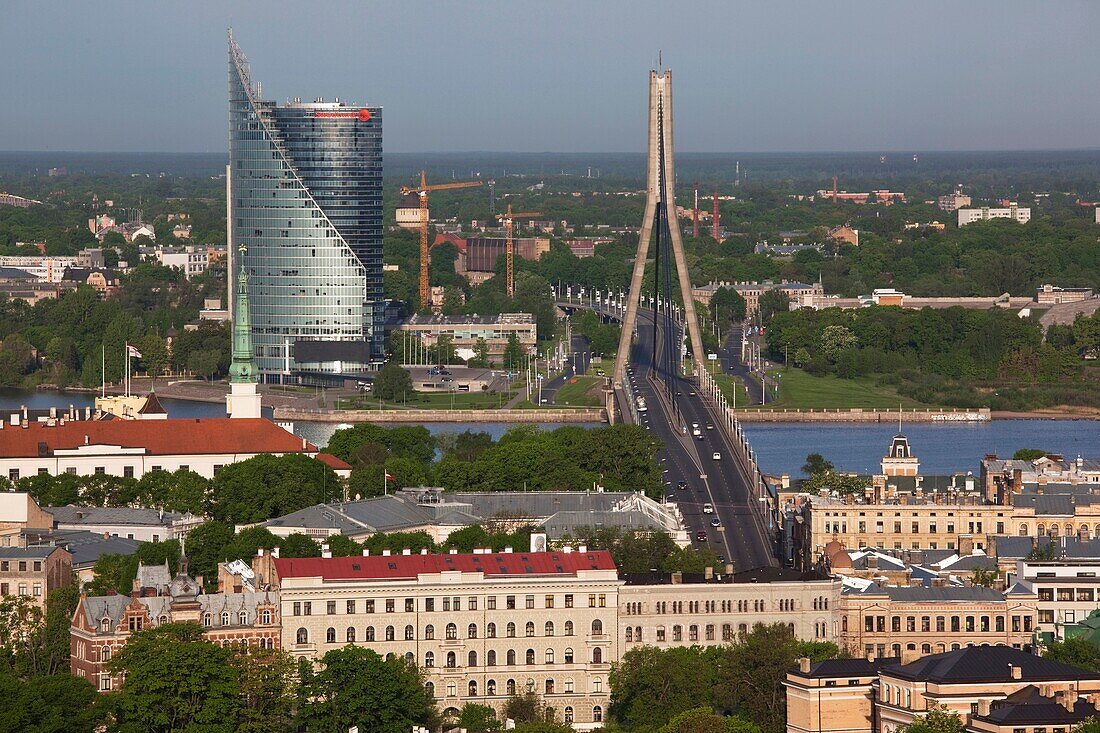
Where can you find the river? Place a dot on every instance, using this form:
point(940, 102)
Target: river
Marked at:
point(780, 447)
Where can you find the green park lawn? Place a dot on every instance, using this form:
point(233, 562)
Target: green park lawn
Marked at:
point(429, 401)
point(804, 391)
point(582, 391)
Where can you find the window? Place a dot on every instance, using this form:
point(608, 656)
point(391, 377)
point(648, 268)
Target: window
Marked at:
point(297, 608)
point(429, 632)
point(389, 605)
point(128, 471)
point(603, 600)
point(597, 711)
point(452, 660)
point(446, 603)
point(330, 608)
point(429, 605)
point(510, 658)
point(510, 603)
point(307, 608)
point(529, 629)
point(491, 631)
point(491, 603)
point(548, 601)
point(471, 659)
point(429, 659)
point(472, 687)
point(410, 634)
point(490, 660)
point(549, 687)
point(510, 630)
point(389, 633)
point(530, 656)
point(597, 656)
point(660, 633)
point(370, 606)
point(330, 635)
point(351, 607)
point(471, 603)
point(491, 688)
point(591, 600)
point(529, 602)
point(471, 631)
point(568, 712)
point(302, 637)
point(452, 631)
point(568, 600)
point(349, 635)
point(549, 656)
point(510, 686)
point(569, 655)
point(369, 634)
point(568, 628)
point(410, 605)
point(597, 627)
point(677, 633)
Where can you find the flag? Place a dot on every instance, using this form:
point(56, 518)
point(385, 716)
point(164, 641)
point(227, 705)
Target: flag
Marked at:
point(132, 351)
point(389, 477)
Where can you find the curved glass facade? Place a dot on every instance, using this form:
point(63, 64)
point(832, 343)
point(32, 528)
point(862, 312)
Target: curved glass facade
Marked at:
point(305, 193)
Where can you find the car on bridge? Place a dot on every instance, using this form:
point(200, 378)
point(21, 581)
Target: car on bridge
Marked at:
point(701, 536)
point(708, 509)
point(716, 522)
point(716, 456)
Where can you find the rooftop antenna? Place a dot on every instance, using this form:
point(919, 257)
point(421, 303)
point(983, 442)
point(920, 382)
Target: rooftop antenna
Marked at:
point(660, 62)
point(899, 418)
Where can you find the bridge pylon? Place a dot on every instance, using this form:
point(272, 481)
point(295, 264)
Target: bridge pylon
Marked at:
point(660, 215)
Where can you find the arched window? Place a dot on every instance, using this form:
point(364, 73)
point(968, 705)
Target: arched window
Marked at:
point(597, 627)
point(629, 634)
point(638, 634)
point(105, 623)
point(1023, 530)
point(242, 618)
point(491, 688)
point(510, 630)
point(163, 619)
point(471, 631)
point(430, 688)
point(410, 658)
point(207, 620)
point(452, 661)
point(597, 656)
point(530, 685)
point(491, 631)
point(568, 628)
point(490, 659)
point(549, 656)
point(389, 633)
point(471, 659)
point(473, 688)
point(265, 616)
point(549, 630)
point(511, 657)
point(330, 635)
point(569, 655)
point(530, 656)
point(549, 687)
point(302, 637)
point(369, 635)
point(410, 634)
point(510, 686)
point(597, 714)
point(429, 632)
point(529, 629)
point(568, 713)
point(429, 659)
point(225, 618)
point(452, 631)
point(1041, 530)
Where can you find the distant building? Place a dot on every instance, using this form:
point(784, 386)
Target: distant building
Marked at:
point(181, 231)
point(587, 247)
point(464, 331)
point(482, 253)
point(47, 269)
point(880, 196)
point(32, 572)
point(132, 448)
point(751, 292)
point(10, 199)
point(845, 234)
point(142, 525)
point(190, 260)
point(1054, 295)
point(407, 214)
point(1018, 213)
point(888, 296)
point(786, 249)
point(953, 201)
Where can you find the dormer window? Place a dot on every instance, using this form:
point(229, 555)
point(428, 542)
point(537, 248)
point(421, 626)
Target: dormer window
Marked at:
point(105, 625)
point(242, 618)
point(225, 618)
point(207, 620)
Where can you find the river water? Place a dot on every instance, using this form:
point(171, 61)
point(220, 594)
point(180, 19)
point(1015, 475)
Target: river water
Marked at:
point(780, 447)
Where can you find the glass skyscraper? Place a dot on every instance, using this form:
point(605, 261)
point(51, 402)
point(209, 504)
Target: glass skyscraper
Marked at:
point(304, 188)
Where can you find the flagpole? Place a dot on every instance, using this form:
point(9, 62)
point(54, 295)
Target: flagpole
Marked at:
point(102, 370)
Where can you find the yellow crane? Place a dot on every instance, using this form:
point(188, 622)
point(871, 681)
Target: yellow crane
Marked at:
point(507, 219)
point(422, 192)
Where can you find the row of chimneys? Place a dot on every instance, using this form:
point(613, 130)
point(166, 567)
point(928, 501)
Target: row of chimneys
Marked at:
point(22, 418)
point(326, 551)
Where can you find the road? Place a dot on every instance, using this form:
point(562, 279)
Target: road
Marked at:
point(580, 359)
point(730, 358)
point(688, 458)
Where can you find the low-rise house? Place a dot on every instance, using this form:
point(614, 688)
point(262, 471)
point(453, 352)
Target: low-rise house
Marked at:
point(33, 572)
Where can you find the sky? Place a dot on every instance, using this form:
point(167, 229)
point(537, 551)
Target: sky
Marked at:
point(563, 75)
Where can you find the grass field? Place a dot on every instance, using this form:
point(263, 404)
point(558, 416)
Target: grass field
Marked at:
point(730, 385)
point(580, 391)
point(801, 390)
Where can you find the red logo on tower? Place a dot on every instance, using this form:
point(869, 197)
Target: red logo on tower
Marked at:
point(364, 115)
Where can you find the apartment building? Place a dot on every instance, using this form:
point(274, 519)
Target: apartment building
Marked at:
point(953, 201)
point(102, 625)
point(1067, 591)
point(1021, 214)
point(881, 695)
point(882, 620)
point(751, 292)
point(32, 572)
point(678, 609)
point(482, 626)
point(466, 331)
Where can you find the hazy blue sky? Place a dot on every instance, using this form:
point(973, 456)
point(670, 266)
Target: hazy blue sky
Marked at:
point(563, 76)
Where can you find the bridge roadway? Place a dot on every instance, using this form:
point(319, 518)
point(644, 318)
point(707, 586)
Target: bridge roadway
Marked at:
point(722, 483)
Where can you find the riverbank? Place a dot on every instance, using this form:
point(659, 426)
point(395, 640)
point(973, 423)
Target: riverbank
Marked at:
point(861, 415)
point(594, 415)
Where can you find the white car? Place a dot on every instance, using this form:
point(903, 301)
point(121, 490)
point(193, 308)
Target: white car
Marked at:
point(708, 509)
point(717, 456)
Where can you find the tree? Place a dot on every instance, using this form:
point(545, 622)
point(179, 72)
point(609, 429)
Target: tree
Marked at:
point(479, 718)
point(728, 305)
point(525, 708)
point(445, 350)
point(267, 486)
point(205, 548)
point(204, 362)
point(772, 302)
point(705, 720)
point(650, 686)
point(815, 464)
point(177, 491)
point(985, 577)
point(1028, 454)
point(154, 355)
point(357, 687)
point(392, 382)
point(54, 703)
point(175, 680)
point(481, 354)
point(299, 545)
point(1076, 653)
point(937, 720)
point(513, 353)
point(269, 688)
point(836, 340)
point(751, 674)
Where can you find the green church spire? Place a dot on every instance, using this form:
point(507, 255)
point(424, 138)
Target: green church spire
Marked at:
point(242, 370)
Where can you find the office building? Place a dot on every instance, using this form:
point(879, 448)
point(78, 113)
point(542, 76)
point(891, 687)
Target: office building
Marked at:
point(466, 331)
point(304, 188)
point(953, 201)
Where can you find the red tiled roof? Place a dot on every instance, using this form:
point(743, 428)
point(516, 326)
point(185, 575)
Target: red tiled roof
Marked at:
point(454, 239)
point(159, 437)
point(397, 567)
point(336, 464)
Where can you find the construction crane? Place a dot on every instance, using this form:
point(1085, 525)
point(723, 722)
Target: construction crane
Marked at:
point(507, 218)
point(422, 192)
point(695, 213)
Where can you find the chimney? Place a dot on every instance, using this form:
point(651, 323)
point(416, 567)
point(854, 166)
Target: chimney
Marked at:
point(275, 551)
point(508, 550)
point(582, 548)
point(423, 550)
point(326, 551)
point(406, 551)
point(366, 552)
point(1069, 699)
point(872, 562)
point(385, 553)
point(916, 557)
point(259, 552)
point(804, 665)
point(454, 550)
point(1015, 671)
point(983, 707)
point(708, 573)
point(966, 545)
point(677, 578)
